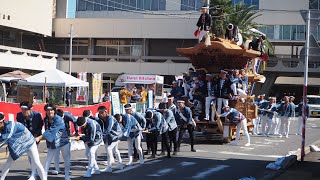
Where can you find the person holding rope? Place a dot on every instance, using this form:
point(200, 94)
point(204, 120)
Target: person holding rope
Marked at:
point(57, 139)
point(19, 140)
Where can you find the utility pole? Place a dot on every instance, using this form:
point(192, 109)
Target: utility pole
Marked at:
point(305, 87)
point(70, 50)
point(208, 3)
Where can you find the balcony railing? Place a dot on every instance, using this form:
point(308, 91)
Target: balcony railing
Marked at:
point(31, 53)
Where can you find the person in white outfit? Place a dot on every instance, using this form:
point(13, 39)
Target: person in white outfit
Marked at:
point(210, 96)
point(271, 112)
point(92, 138)
point(237, 117)
point(261, 101)
point(19, 140)
point(288, 114)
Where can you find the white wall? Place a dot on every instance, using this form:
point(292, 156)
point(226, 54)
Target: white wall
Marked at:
point(30, 15)
point(164, 28)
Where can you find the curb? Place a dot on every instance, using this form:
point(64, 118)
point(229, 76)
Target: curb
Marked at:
point(270, 174)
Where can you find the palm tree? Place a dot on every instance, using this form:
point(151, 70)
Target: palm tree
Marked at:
point(224, 13)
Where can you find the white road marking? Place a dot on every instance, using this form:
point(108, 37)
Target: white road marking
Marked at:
point(244, 154)
point(184, 164)
point(247, 148)
point(271, 140)
point(209, 171)
point(261, 145)
point(199, 150)
point(162, 172)
point(135, 166)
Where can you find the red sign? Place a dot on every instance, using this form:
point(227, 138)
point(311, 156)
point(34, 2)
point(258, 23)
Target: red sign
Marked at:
point(10, 110)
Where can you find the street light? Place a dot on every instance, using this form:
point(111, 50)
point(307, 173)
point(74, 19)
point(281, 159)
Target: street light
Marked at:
point(71, 35)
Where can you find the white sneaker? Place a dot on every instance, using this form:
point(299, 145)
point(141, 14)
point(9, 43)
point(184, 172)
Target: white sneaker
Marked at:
point(119, 166)
point(141, 161)
point(129, 163)
point(55, 172)
point(32, 178)
point(107, 170)
point(67, 178)
point(287, 136)
point(248, 144)
point(280, 136)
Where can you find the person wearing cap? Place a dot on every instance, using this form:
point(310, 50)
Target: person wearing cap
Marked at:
point(210, 85)
point(176, 90)
point(204, 23)
point(184, 119)
point(112, 133)
point(300, 115)
point(19, 141)
point(32, 120)
point(67, 118)
point(262, 114)
point(240, 120)
point(223, 92)
point(133, 132)
point(157, 125)
point(57, 139)
point(288, 114)
point(172, 130)
point(92, 138)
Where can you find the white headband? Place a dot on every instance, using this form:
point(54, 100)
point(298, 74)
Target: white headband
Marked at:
point(128, 108)
point(49, 108)
point(180, 101)
point(84, 123)
point(24, 107)
point(151, 115)
point(1, 120)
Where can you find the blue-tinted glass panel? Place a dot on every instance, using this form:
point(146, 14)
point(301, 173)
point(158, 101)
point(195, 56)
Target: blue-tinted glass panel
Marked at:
point(270, 31)
point(81, 5)
point(247, 3)
point(256, 4)
point(133, 4)
point(301, 32)
point(147, 4)
point(313, 4)
point(293, 32)
point(140, 6)
point(286, 32)
point(117, 5)
point(154, 5)
point(162, 5)
point(89, 6)
point(97, 5)
point(111, 6)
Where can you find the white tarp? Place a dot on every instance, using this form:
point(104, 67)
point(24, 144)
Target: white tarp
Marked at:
point(138, 79)
point(54, 77)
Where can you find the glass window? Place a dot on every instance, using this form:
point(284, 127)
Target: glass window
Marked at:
point(147, 4)
point(154, 5)
point(83, 50)
point(125, 4)
point(255, 3)
point(89, 6)
point(270, 31)
point(100, 50)
point(124, 50)
point(285, 32)
point(112, 42)
point(81, 5)
point(96, 5)
point(191, 4)
point(162, 5)
point(112, 50)
point(125, 41)
point(140, 5)
point(301, 32)
point(117, 4)
point(136, 42)
point(136, 51)
point(247, 3)
point(133, 4)
point(313, 4)
point(111, 6)
point(100, 42)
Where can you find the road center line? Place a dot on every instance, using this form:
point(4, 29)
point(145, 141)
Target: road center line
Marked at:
point(135, 166)
point(184, 164)
point(209, 171)
point(244, 154)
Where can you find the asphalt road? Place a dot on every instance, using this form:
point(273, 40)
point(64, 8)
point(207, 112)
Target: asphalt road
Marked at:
point(210, 161)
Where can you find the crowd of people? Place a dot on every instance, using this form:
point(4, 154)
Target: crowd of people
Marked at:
point(168, 121)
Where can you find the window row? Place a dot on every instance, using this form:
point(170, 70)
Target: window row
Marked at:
point(284, 32)
point(247, 3)
point(121, 5)
point(187, 5)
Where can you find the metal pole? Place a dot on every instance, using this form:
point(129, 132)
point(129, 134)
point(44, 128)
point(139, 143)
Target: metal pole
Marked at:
point(70, 50)
point(208, 3)
point(305, 88)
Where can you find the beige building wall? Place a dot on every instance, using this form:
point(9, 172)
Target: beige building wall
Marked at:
point(30, 15)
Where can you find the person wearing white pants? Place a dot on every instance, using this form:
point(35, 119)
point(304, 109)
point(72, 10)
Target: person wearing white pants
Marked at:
point(210, 97)
point(300, 116)
point(204, 23)
point(223, 90)
point(133, 131)
point(57, 138)
point(288, 115)
point(19, 140)
point(111, 134)
point(270, 114)
point(237, 117)
point(92, 138)
point(262, 104)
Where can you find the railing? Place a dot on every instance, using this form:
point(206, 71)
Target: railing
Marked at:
point(27, 52)
point(291, 65)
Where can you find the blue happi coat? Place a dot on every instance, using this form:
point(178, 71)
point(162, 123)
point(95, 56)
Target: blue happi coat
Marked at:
point(300, 108)
point(234, 115)
point(170, 119)
point(157, 123)
point(132, 127)
point(186, 112)
point(18, 138)
point(140, 118)
point(34, 125)
point(102, 122)
point(56, 134)
point(281, 109)
point(92, 133)
point(264, 104)
point(289, 110)
point(112, 131)
point(273, 109)
point(67, 117)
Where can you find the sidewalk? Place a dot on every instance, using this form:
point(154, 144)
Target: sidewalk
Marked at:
point(309, 169)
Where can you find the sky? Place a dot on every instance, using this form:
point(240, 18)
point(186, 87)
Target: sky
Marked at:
point(72, 8)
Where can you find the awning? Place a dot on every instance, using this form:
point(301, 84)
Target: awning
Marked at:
point(281, 80)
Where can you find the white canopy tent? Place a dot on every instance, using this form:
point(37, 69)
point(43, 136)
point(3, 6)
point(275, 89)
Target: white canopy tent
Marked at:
point(54, 78)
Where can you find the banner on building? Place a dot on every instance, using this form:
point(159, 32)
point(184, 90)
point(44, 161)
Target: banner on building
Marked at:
point(10, 110)
point(81, 91)
point(116, 108)
point(96, 87)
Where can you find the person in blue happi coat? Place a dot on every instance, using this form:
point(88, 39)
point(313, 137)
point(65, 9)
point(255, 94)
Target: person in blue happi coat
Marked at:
point(256, 121)
point(271, 113)
point(288, 113)
point(183, 117)
point(172, 128)
point(19, 140)
point(133, 132)
point(67, 118)
point(300, 109)
point(32, 120)
point(111, 136)
point(92, 138)
point(264, 119)
point(57, 139)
